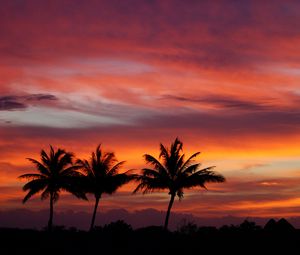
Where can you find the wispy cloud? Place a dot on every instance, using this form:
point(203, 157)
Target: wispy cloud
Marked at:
point(222, 102)
point(17, 102)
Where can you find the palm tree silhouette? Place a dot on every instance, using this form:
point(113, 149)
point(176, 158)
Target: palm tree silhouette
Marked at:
point(56, 172)
point(174, 173)
point(101, 176)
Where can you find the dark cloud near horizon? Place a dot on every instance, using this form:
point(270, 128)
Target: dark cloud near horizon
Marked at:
point(222, 102)
point(9, 105)
point(14, 102)
point(40, 97)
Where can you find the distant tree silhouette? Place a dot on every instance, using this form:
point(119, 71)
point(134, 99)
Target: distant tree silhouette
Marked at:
point(174, 173)
point(249, 226)
point(187, 227)
point(101, 176)
point(281, 226)
point(56, 172)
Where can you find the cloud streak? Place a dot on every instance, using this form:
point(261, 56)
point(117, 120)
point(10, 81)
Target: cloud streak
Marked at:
point(12, 102)
point(222, 102)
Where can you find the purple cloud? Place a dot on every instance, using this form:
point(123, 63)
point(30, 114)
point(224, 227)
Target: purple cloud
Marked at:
point(13, 102)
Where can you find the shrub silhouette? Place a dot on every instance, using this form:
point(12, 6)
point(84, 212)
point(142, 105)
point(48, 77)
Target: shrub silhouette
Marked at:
point(118, 227)
point(187, 227)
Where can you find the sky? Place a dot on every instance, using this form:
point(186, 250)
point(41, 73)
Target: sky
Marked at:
point(223, 76)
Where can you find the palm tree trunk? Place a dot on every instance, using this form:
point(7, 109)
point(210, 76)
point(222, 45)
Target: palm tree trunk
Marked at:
point(51, 213)
point(169, 210)
point(94, 213)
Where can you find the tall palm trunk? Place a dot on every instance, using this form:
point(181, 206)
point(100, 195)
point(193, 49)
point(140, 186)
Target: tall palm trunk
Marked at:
point(51, 213)
point(95, 212)
point(169, 210)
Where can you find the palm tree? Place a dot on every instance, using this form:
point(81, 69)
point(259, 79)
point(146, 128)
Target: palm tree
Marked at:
point(174, 174)
point(56, 172)
point(101, 176)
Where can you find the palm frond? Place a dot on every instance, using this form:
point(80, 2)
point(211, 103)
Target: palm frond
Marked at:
point(32, 176)
point(150, 172)
point(148, 184)
point(155, 163)
point(56, 156)
point(180, 162)
point(192, 169)
point(29, 195)
point(36, 184)
point(45, 158)
point(71, 171)
point(115, 168)
point(116, 181)
point(55, 196)
point(99, 152)
point(201, 177)
point(164, 153)
point(176, 147)
point(64, 160)
point(180, 194)
point(109, 159)
point(85, 166)
point(40, 167)
point(34, 187)
point(188, 162)
point(45, 194)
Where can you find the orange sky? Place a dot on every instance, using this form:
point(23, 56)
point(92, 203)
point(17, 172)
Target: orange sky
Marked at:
point(222, 75)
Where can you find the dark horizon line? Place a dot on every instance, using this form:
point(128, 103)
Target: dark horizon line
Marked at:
point(31, 219)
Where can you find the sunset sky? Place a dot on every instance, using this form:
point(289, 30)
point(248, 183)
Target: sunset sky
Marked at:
point(223, 76)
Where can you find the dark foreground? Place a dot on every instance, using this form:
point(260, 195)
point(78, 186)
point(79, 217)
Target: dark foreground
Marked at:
point(119, 238)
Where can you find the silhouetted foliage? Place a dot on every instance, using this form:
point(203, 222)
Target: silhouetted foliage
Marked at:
point(101, 176)
point(270, 225)
point(281, 226)
point(119, 226)
point(249, 226)
point(187, 227)
point(56, 172)
point(174, 173)
point(284, 225)
point(119, 238)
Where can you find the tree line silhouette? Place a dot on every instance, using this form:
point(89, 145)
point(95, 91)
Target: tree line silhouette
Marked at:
point(276, 237)
point(59, 170)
